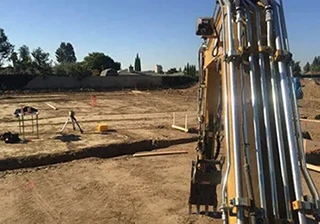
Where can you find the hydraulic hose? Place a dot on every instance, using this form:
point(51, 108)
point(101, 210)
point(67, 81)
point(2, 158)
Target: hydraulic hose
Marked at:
point(288, 120)
point(226, 122)
point(234, 113)
point(266, 116)
point(247, 171)
point(256, 125)
point(276, 106)
point(305, 172)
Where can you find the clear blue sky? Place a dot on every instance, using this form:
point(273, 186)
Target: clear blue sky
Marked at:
point(161, 31)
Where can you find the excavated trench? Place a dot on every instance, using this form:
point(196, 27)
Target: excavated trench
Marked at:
point(103, 151)
point(313, 157)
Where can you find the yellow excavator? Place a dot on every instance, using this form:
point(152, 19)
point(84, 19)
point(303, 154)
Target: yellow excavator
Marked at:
point(250, 138)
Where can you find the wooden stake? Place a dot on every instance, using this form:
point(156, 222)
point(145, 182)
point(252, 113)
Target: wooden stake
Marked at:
point(50, 105)
point(313, 167)
point(159, 153)
point(309, 120)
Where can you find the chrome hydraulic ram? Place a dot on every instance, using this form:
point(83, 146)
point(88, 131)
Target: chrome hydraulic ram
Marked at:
point(240, 21)
point(276, 106)
point(234, 112)
point(252, 74)
point(266, 115)
point(311, 186)
point(288, 114)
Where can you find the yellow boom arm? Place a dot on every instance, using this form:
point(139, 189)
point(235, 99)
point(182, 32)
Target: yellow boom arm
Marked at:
point(249, 119)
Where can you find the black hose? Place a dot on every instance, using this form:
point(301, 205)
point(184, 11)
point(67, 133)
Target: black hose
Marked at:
point(216, 47)
point(218, 147)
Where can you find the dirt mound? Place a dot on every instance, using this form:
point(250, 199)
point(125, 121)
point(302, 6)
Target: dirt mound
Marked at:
point(311, 89)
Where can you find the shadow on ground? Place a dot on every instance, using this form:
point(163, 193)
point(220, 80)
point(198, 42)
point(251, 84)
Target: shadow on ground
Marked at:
point(68, 138)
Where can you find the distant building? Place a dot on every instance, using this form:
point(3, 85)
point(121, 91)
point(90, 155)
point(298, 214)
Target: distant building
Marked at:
point(158, 69)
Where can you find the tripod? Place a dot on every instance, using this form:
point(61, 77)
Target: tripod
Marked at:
point(73, 121)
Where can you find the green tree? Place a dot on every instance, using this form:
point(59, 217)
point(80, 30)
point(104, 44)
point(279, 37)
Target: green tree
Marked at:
point(41, 61)
point(190, 70)
point(40, 57)
point(307, 68)
point(172, 71)
point(6, 48)
point(24, 64)
point(72, 69)
point(296, 68)
point(315, 66)
point(14, 59)
point(65, 53)
point(137, 63)
point(24, 54)
point(117, 66)
point(99, 61)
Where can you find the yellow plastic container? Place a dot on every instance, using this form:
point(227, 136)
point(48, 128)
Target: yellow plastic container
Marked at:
point(102, 127)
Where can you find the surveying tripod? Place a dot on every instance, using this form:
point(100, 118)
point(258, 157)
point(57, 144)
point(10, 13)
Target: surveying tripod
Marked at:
point(73, 121)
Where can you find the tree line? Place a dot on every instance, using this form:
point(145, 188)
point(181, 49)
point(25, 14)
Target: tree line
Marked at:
point(188, 70)
point(37, 61)
point(22, 60)
point(314, 67)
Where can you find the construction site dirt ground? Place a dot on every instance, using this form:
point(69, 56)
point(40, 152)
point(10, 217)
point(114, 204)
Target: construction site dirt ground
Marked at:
point(123, 189)
point(130, 116)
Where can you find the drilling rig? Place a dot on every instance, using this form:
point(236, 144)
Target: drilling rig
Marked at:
point(250, 139)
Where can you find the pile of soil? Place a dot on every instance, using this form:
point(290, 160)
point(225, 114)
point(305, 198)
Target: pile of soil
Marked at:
point(311, 89)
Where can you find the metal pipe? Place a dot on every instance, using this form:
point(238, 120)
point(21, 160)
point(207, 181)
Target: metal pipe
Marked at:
point(226, 122)
point(240, 22)
point(289, 124)
point(256, 125)
point(234, 114)
point(200, 93)
point(266, 117)
point(312, 188)
point(275, 94)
